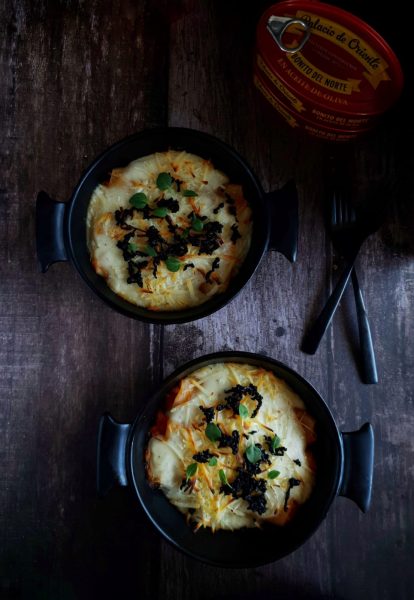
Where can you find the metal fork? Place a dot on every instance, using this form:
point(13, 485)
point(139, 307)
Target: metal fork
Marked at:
point(342, 219)
point(367, 221)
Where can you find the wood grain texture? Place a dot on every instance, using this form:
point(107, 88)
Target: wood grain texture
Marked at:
point(269, 315)
point(76, 77)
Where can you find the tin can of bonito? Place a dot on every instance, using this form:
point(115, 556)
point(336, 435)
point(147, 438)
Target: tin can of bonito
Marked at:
point(324, 70)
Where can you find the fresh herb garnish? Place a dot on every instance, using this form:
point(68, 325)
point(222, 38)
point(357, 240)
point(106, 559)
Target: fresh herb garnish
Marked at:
point(185, 233)
point(164, 181)
point(253, 453)
point(189, 193)
point(212, 462)
point(149, 250)
point(132, 247)
point(160, 212)
point(139, 200)
point(213, 432)
point(273, 474)
point(254, 456)
point(275, 443)
point(197, 224)
point(172, 264)
point(223, 478)
point(243, 411)
point(235, 395)
point(191, 470)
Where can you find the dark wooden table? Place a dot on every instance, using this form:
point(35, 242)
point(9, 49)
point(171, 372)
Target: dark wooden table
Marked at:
point(75, 77)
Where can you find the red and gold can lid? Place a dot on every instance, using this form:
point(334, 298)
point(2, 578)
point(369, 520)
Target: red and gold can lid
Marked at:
point(323, 58)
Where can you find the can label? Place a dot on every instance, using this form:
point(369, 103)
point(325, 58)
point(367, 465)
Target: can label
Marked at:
point(336, 81)
point(275, 103)
point(295, 102)
point(329, 82)
point(319, 128)
point(375, 66)
point(281, 92)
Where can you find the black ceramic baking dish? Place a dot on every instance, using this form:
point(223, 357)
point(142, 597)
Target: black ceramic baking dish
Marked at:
point(344, 468)
point(61, 227)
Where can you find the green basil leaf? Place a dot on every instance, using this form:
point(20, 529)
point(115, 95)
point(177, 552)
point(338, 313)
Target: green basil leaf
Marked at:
point(191, 470)
point(139, 200)
point(212, 462)
point(160, 212)
point(243, 411)
point(223, 478)
point(189, 193)
point(150, 251)
point(173, 264)
point(132, 247)
point(275, 443)
point(253, 453)
point(197, 224)
point(213, 432)
point(273, 474)
point(164, 181)
point(185, 233)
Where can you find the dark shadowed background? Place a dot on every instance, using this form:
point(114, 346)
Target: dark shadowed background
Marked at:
point(75, 77)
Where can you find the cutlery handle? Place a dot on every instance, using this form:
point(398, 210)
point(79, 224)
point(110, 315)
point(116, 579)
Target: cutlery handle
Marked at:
point(369, 367)
point(313, 337)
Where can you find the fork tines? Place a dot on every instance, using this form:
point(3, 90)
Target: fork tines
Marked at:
point(342, 210)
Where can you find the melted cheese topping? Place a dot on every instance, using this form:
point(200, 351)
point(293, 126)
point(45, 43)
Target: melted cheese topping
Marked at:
point(189, 286)
point(180, 434)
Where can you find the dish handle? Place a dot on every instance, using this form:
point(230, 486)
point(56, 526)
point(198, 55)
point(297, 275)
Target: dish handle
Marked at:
point(50, 241)
point(358, 468)
point(111, 459)
point(283, 205)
